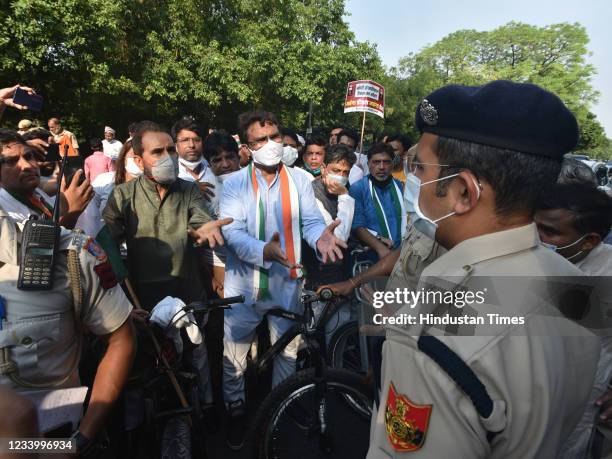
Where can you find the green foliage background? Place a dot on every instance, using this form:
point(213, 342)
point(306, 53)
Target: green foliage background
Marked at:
point(99, 62)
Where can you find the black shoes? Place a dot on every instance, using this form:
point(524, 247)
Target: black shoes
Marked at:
point(236, 425)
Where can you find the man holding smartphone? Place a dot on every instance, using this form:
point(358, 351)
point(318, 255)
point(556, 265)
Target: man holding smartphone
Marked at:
point(21, 195)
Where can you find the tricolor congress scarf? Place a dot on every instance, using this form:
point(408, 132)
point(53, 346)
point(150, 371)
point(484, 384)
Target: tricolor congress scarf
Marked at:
point(292, 231)
point(398, 207)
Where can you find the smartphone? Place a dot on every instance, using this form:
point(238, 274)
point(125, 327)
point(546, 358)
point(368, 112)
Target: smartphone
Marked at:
point(32, 101)
point(74, 164)
point(53, 153)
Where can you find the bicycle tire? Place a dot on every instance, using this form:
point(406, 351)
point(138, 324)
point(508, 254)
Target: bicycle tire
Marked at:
point(343, 350)
point(176, 439)
point(274, 438)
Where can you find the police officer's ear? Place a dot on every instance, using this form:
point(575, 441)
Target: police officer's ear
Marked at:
point(465, 190)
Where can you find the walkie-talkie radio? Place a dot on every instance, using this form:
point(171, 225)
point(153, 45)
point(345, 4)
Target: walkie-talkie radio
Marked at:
point(39, 244)
point(38, 253)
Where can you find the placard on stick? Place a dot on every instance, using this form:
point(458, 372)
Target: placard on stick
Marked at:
point(365, 96)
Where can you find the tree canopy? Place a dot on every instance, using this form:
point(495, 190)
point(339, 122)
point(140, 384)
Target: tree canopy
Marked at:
point(116, 61)
point(553, 57)
point(112, 62)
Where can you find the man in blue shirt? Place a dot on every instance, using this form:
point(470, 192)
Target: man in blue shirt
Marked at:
point(380, 216)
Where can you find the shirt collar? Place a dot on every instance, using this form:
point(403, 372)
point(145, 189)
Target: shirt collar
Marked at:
point(486, 247)
point(150, 186)
point(8, 239)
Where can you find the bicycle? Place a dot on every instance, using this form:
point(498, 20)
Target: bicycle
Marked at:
point(304, 403)
point(347, 348)
point(163, 390)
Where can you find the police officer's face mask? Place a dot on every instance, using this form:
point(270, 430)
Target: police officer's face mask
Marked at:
point(420, 221)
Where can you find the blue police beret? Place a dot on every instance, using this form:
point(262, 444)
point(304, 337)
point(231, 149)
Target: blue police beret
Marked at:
point(503, 114)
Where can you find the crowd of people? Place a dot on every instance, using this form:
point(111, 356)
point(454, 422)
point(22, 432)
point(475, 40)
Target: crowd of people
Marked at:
point(487, 190)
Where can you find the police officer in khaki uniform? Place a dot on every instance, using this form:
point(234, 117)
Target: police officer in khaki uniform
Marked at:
point(41, 331)
point(510, 389)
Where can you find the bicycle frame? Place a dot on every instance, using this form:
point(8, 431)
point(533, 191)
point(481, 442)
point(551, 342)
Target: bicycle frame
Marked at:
point(312, 332)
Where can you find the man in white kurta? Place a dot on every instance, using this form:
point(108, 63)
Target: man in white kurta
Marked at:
point(271, 246)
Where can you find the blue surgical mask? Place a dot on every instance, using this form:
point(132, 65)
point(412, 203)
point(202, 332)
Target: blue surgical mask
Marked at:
point(420, 221)
point(571, 245)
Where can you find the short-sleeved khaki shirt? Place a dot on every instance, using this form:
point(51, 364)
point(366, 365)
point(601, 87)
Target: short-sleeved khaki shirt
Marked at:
point(538, 377)
point(39, 327)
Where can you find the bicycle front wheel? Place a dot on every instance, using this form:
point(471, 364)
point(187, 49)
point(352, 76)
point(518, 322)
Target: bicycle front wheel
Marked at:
point(291, 420)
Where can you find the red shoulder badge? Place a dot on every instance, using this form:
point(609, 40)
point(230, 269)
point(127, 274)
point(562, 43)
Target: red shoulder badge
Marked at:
point(106, 275)
point(406, 422)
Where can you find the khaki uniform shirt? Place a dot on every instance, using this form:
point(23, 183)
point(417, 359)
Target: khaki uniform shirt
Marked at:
point(159, 248)
point(39, 328)
point(538, 379)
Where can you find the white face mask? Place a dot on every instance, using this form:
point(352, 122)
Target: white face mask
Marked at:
point(290, 154)
point(341, 179)
point(190, 164)
point(132, 168)
point(268, 155)
point(223, 177)
point(421, 222)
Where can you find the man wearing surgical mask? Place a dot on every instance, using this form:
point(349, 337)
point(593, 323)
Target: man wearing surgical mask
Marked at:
point(573, 219)
point(221, 152)
point(485, 155)
point(189, 136)
point(155, 215)
point(274, 208)
point(334, 201)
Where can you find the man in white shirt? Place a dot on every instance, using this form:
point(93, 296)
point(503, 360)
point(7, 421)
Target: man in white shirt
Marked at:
point(188, 137)
point(111, 146)
point(573, 219)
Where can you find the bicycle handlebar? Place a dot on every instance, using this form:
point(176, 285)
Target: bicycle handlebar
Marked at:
point(205, 306)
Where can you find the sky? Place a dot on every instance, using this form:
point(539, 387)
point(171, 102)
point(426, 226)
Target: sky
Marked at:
point(399, 27)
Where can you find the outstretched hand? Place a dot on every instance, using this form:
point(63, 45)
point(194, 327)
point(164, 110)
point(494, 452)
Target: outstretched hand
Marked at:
point(274, 252)
point(329, 246)
point(210, 233)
